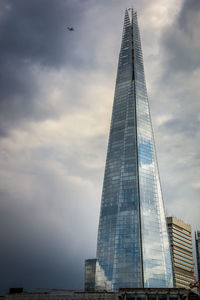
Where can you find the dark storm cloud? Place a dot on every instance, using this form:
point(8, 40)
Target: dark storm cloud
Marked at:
point(42, 232)
point(180, 44)
point(36, 31)
point(35, 255)
point(182, 39)
point(33, 37)
point(188, 15)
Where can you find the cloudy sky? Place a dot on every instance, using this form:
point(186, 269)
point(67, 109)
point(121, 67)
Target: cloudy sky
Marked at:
point(56, 95)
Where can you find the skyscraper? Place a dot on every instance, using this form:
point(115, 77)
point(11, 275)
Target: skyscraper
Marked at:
point(132, 247)
point(197, 241)
point(180, 236)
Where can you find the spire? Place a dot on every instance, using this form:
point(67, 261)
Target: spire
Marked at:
point(126, 19)
point(125, 56)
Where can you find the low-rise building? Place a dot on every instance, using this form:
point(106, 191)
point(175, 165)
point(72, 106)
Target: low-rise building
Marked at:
point(122, 294)
point(180, 237)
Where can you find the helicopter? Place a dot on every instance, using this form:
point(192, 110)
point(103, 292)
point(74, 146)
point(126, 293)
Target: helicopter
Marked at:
point(70, 28)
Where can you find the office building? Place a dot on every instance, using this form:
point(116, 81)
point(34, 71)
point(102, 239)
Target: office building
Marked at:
point(197, 244)
point(90, 273)
point(180, 236)
point(132, 248)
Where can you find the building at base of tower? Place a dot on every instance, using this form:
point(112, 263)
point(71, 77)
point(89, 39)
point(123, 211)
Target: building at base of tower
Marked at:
point(180, 236)
point(197, 244)
point(123, 294)
point(132, 246)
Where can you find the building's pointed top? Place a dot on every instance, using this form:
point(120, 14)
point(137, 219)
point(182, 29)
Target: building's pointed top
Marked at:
point(126, 15)
point(126, 19)
point(130, 11)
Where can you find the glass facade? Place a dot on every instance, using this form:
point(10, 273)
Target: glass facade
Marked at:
point(90, 272)
point(132, 247)
point(197, 240)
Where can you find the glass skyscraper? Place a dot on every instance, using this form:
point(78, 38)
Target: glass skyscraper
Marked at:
point(132, 248)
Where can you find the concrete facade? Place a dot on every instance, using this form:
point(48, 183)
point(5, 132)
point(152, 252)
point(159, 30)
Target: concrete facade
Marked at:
point(180, 237)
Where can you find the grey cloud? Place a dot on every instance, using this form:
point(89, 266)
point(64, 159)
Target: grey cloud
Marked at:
point(179, 126)
point(182, 39)
point(176, 95)
point(188, 15)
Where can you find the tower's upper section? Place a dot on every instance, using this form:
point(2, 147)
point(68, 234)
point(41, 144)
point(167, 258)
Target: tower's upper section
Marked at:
point(125, 65)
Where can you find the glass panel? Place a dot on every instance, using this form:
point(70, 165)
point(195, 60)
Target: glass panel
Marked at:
point(152, 297)
point(90, 270)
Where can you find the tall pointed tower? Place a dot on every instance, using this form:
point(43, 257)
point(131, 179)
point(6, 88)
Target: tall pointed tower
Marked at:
point(132, 248)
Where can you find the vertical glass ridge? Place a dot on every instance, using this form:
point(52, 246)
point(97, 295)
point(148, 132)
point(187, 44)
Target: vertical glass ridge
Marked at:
point(132, 246)
point(156, 254)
